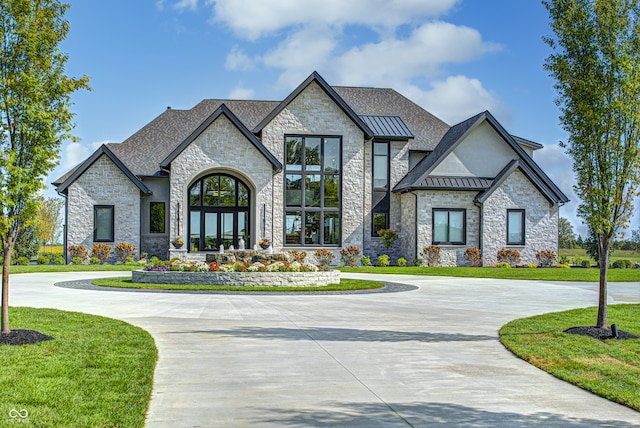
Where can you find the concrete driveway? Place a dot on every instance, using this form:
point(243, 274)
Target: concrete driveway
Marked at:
point(422, 358)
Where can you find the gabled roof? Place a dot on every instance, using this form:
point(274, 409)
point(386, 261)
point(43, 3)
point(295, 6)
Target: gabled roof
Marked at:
point(454, 137)
point(528, 143)
point(103, 150)
point(315, 77)
point(222, 110)
point(388, 127)
point(507, 171)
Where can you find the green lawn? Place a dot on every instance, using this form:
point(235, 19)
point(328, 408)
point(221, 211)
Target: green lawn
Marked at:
point(574, 253)
point(71, 268)
point(345, 285)
point(610, 369)
point(543, 274)
point(97, 372)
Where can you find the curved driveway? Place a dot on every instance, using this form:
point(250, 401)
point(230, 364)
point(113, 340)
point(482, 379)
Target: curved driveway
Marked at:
point(422, 358)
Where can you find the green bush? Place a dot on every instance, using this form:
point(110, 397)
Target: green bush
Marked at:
point(365, 260)
point(383, 261)
point(622, 264)
point(129, 261)
point(532, 265)
point(402, 261)
point(563, 266)
point(417, 261)
point(43, 260)
point(94, 261)
point(503, 265)
point(76, 261)
point(58, 260)
point(585, 263)
point(21, 261)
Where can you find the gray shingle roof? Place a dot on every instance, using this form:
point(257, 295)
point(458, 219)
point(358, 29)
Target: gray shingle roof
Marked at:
point(143, 152)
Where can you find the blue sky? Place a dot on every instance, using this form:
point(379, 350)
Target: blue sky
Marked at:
point(453, 57)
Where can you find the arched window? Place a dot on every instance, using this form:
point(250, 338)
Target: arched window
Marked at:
point(218, 213)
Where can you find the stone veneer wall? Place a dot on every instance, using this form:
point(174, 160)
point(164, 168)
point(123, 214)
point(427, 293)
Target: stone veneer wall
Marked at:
point(156, 244)
point(407, 235)
point(222, 148)
point(450, 255)
point(103, 184)
point(314, 113)
point(263, 279)
point(541, 219)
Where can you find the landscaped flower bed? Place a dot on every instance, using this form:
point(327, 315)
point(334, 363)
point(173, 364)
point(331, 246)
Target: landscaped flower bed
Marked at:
point(277, 274)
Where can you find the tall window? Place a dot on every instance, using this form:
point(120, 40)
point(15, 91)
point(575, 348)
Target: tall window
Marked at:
point(103, 223)
point(156, 217)
point(218, 213)
point(515, 227)
point(449, 226)
point(381, 190)
point(312, 190)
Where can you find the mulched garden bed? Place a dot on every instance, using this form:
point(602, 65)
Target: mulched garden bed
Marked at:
point(599, 333)
point(23, 337)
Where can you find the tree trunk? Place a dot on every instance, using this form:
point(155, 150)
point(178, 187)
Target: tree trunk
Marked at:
point(604, 268)
point(5, 290)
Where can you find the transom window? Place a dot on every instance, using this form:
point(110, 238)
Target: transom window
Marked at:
point(218, 213)
point(312, 190)
point(515, 227)
point(449, 226)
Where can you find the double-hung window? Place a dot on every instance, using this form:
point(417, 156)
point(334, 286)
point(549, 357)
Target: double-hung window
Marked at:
point(103, 223)
point(312, 190)
point(515, 227)
point(449, 226)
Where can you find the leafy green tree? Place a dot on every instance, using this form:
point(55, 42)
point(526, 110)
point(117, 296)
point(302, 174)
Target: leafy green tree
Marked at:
point(27, 243)
point(48, 218)
point(34, 113)
point(596, 65)
point(566, 237)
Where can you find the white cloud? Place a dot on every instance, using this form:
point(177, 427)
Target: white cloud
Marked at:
point(252, 19)
point(240, 93)
point(186, 4)
point(237, 60)
point(456, 98)
point(74, 153)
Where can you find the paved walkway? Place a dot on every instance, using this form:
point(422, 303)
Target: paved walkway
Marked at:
point(422, 358)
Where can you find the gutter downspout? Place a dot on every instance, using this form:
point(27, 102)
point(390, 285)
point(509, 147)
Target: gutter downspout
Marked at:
point(415, 224)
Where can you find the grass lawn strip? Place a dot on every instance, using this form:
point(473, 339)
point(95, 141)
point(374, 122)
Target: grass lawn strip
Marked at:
point(537, 274)
point(345, 285)
point(96, 372)
point(608, 368)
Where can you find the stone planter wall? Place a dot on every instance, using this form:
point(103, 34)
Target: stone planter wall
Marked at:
point(265, 279)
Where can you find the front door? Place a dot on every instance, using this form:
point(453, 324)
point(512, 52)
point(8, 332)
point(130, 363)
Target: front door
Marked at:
point(218, 213)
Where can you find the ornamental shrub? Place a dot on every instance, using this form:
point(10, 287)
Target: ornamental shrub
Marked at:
point(21, 261)
point(297, 255)
point(431, 255)
point(402, 261)
point(388, 237)
point(76, 261)
point(586, 263)
point(58, 260)
point(546, 258)
point(43, 260)
point(124, 250)
point(101, 251)
point(532, 265)
point(383, 261)
point(417, 261)
point(94, 261)
point(78, 251)
point(349, 255)
point(563, 266)
point(129, 261)
point(503, 265)
point(324, 256)
point(473, 256)
point(365, 261)
point(622, 264)
point(511, 256)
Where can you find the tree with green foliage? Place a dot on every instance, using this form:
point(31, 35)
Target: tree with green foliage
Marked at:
point(48, 218)
point(596, 65)
point(34, 113)
point(566, 237)
point(27, 243)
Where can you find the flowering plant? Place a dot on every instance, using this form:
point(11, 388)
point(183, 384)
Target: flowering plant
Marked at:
point(264, 242)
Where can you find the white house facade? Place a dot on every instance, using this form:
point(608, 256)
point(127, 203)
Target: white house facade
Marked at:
point(327, 167)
